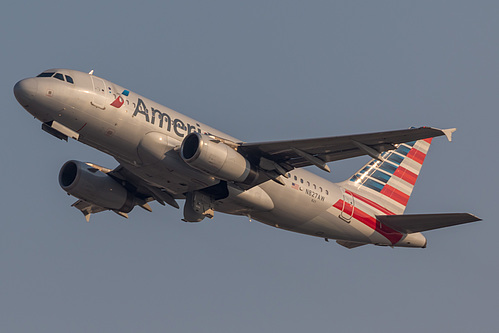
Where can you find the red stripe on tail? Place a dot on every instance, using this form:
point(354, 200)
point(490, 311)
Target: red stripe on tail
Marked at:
point(372, 203)
point(416, 155)
point(406, 175)
point(395, 194)
point(370, 221)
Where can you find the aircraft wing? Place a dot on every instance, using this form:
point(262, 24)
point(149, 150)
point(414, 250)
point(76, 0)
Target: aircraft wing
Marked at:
point(300, 153)
point(424, 222)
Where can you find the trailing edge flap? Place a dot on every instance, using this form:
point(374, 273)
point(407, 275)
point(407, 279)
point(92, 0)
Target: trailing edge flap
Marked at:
point(300, 153)
point(349, 244)
point(423, 222)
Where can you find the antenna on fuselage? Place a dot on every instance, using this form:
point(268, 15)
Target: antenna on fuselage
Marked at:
point(91, 72)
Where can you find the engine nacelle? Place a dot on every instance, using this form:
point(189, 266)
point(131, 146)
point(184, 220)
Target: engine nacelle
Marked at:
point(90, 184)
point(217, 159)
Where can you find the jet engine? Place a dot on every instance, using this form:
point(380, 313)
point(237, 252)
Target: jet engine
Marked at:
point(214, 157)
point(92, 185)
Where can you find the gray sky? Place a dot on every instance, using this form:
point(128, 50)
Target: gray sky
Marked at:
point(259, 70)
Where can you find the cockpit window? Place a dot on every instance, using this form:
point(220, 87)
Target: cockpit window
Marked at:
point(59, 76)
point(46, 74)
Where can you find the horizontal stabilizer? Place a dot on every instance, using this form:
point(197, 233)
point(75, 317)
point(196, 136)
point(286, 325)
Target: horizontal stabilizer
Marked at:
point(423, 222)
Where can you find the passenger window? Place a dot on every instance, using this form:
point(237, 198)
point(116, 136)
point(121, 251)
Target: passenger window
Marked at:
point(327, 192)
point(320, 189)
point(315, 187)
point(69, 79)
point(301, 180)
point(308, 183)
point(59, 76)
point(296, 178)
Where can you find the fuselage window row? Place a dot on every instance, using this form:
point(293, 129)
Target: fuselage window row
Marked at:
point(302, 181)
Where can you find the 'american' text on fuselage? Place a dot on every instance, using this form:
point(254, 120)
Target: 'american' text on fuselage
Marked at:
point(164, 120)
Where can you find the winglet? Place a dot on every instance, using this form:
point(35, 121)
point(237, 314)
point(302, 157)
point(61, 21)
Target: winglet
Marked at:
point(448, 133)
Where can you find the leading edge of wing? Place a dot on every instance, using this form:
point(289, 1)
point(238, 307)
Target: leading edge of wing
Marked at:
point(330, 149)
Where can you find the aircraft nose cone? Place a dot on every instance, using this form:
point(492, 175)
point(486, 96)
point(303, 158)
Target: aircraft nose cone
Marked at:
point(25, 90)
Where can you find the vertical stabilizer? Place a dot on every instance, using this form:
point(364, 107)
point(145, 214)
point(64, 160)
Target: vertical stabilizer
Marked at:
point(389, 182)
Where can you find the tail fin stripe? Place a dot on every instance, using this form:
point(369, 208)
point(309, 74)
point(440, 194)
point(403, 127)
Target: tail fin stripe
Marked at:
point(378, 179)
point(416, 155)
point(395, 194)
point(391, 182)
point(406, 175)
point(374, 185)
point(411, 165)
point(381, 176)
point(401, 185)
point(366, 171)
point(388, 167)
point(403, 150)
point(371, 203)
point(422, 146)
point(404, 179)
point(395, 158)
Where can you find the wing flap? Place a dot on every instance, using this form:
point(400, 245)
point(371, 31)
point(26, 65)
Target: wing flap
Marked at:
point(423, 222)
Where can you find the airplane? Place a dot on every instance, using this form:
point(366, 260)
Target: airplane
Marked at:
point(165, 156)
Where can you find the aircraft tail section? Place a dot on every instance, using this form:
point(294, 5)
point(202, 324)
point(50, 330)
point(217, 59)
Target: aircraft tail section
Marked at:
point(388, 183)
